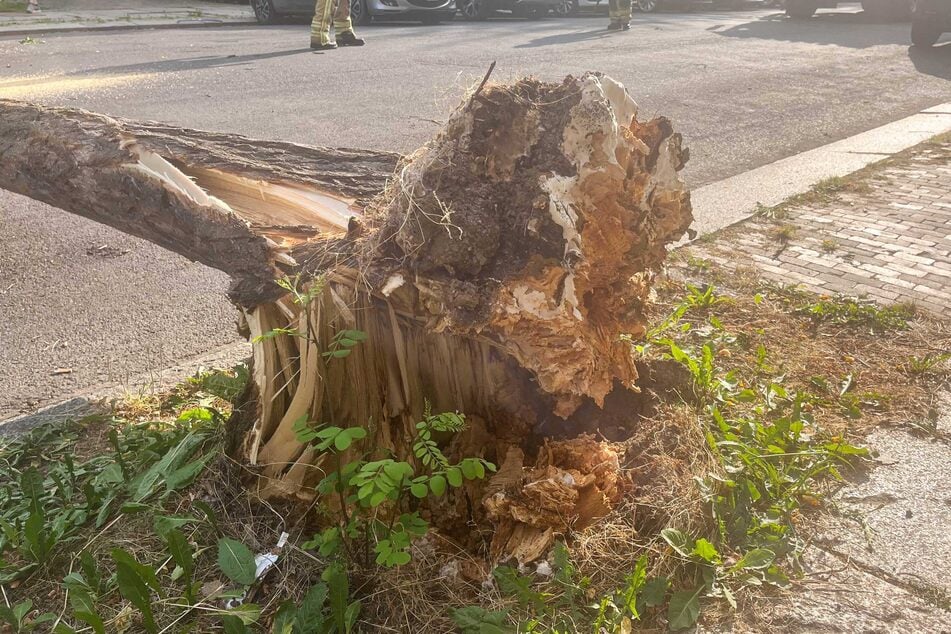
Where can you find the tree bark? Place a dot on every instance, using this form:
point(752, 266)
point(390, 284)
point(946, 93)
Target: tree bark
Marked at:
point(233, 203)
point(494, 272)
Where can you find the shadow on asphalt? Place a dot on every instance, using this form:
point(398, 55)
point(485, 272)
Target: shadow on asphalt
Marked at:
point(932, 61)
point(568, 38)
point(852, 30)
point(190, 63)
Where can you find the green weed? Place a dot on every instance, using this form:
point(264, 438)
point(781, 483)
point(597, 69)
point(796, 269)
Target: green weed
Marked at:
point(930, 363)
point(856, 312)
point(783, 234)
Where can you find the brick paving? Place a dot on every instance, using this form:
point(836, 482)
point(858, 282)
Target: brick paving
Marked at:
point(885, 237)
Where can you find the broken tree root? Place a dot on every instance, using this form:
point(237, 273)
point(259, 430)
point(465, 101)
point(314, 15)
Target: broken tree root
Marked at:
point(493, 274)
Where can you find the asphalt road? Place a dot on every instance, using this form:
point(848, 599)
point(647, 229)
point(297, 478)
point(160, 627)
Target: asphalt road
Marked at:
point(745, 88)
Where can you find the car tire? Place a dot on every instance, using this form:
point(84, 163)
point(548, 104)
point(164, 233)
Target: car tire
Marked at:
point(924, 34)
point(474, 10)
point(567, 9)
point(360, 13)
point(801, 9)
point(264, 12)
point(648, 6)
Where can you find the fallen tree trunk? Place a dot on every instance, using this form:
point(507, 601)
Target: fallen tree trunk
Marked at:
point(236, 204)
point(493, 274)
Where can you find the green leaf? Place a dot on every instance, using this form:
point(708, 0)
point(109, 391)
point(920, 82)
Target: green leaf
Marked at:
point(184, 476)
point(286, 618)
point(654, 592)
point(678, 540)
point(756, 559)
point(468, 469)
point(233, 624)
point(130, 508)
point(21, 609)
point(339, 586)
point(248, 613)
point(236, 561)
point(419, 490)
point(209, 514)
point(181, 552)
point(91, 570)
point(164, 523)
point(133, 583)
point(342, 441)
point(473, 619)
point(143, 571)
point(684, 609)
point(84, 609)
point(31, 487)
point(437, 484)
point(146, 484)
point(454, 476)
point(706, 551)
point(310, 613)
point(34, 530)
point(352, 614)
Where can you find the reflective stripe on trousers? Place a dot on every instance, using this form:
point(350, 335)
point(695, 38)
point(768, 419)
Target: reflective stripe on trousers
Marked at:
point(327, 13)
point(619, 10)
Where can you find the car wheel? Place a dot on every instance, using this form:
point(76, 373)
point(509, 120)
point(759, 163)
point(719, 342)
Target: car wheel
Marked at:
point(648, 6)
point(924, 34)
point(264, 11)
point(801, 9)
point(567, 8)
point(360, 13)
point(474, 9)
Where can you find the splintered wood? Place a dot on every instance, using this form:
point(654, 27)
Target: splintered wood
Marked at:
point(494, 272)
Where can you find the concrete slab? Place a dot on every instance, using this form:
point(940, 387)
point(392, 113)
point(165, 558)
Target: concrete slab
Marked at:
point(733, 199)
point(836, 597)
point(898, 519)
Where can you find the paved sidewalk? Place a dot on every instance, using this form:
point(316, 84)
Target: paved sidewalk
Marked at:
point(142, 15)
point(881, 557)
point(884, 235)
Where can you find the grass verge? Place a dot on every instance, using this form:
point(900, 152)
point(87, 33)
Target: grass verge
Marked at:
point(760, 397)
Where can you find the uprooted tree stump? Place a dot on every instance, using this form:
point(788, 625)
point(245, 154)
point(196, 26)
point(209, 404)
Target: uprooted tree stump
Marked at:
point(493, 272)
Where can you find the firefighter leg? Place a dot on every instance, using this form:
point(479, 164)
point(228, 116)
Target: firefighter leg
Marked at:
point(320, 26)
point(613, 10)
point(342, 22)
point(624, 11)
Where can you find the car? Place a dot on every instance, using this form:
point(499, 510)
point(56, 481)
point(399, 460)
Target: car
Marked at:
point(361, 11)
point(876, 9)
point(483, 9)
point(930, 19)
point(567, 8)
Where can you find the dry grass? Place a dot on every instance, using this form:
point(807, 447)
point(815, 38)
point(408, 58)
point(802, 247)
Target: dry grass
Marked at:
point(666, 456)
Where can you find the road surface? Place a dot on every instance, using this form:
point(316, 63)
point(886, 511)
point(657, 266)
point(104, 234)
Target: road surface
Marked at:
point(745, 88)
